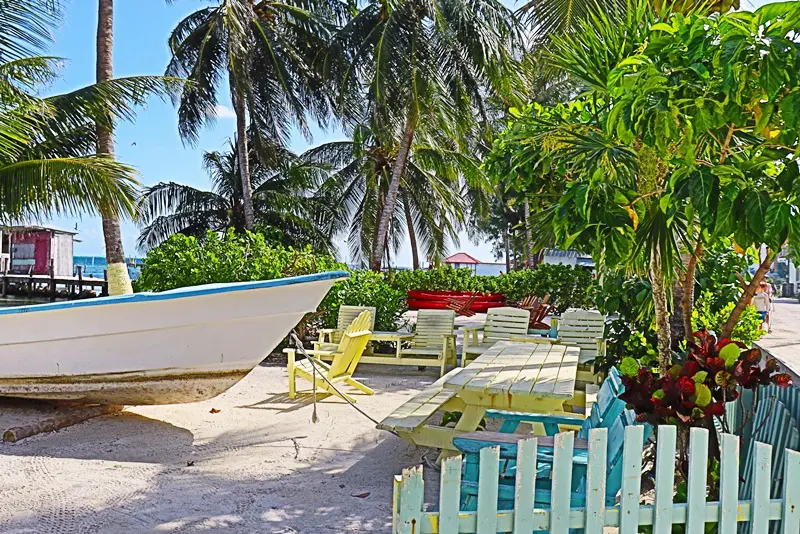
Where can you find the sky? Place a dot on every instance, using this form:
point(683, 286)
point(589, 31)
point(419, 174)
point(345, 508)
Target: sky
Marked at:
point(152, 144)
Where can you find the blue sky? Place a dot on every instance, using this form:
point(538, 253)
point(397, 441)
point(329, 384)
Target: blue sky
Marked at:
point(152, 144)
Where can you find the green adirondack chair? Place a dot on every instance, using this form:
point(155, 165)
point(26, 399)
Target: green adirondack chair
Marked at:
point(329, 338)
point(341, 369)
point(501, 325)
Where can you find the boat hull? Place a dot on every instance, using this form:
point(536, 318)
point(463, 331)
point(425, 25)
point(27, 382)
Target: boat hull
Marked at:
point(164, 348)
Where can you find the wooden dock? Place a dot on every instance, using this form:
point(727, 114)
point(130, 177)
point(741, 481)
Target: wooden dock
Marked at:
point(52, 286)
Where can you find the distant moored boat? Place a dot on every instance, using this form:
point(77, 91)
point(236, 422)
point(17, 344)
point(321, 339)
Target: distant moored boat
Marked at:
point(177, 346)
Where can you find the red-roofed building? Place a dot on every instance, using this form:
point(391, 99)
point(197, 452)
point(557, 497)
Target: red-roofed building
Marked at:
point(462, 259)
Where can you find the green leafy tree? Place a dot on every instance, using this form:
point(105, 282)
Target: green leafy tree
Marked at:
point(685, 134)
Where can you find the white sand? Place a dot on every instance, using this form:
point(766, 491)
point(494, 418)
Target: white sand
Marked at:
point(260, 465)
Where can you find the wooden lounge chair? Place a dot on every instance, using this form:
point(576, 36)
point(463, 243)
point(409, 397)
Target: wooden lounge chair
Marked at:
point(434, 341)
point(462, 305)
point(341, 369)
point(585, 329)
point(329, 338)
point(501, 324)
point(539, 309)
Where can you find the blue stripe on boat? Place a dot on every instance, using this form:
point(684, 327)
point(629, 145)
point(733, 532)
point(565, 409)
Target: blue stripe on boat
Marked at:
point(193, 291)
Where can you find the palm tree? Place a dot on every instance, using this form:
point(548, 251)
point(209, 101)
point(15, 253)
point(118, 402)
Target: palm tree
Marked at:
point(284, 205)
point(423, 66)
point(119, 281)
point(266, 50)
point(47, 160)
point(431, 207)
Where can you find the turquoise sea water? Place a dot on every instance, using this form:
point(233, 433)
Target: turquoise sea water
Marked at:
point(95, 265)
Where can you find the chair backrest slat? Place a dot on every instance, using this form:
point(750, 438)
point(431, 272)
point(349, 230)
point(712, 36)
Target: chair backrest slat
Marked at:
point(582, 328)
point(505, 323)
point(354, 341)
point(431, 326)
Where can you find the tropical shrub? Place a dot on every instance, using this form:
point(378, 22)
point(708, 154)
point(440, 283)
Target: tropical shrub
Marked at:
point(439, 279)
point(182, 261)
point(365, 288)
point(691, 393)
point(748, 329)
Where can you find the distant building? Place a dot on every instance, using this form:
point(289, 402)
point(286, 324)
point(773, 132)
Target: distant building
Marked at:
point(572, 258)
point(463, 260)
point(33, 249)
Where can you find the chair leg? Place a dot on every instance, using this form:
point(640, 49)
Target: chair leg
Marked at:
point(358, 385)
point(290, 368)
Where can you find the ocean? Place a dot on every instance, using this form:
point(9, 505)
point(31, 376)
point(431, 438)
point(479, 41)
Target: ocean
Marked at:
point(95, 265)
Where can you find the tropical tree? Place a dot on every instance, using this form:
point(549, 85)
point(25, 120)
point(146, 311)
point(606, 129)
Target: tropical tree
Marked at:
point(48, 163)
point(423, 66)
point(266, 51)
point(675, 142)
point(286, 208)
point(432, 199)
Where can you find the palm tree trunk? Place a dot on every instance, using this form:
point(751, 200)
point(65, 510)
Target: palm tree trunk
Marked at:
point(244, 161)
point(119, 281)
point(661, 312)
point(412, 235)
point(391, 195)
point(688, 291)
point(747, 296)
point(528, 237)
point(676, 323)
point(507, 244)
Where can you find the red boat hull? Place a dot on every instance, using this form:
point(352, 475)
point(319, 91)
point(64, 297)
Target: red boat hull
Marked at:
point(437, 300)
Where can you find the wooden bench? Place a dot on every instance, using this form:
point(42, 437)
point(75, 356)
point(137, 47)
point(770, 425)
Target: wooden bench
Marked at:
point(409, 420)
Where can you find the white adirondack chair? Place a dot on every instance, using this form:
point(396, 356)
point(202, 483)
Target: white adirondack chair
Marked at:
point(501, 325)
point(585, 329)
point(434, 341)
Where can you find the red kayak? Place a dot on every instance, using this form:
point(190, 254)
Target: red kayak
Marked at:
point(437, 300)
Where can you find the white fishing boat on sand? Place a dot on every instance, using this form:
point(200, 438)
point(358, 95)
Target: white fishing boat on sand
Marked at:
point(177, 346)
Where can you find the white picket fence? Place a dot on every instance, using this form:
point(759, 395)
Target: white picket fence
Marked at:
point(410, 516)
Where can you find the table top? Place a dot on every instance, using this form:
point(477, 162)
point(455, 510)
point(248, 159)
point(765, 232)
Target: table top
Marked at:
point(520, 369)
point(381, 335)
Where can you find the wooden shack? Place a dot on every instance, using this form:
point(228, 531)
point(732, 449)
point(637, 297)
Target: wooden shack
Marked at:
point(34, 249)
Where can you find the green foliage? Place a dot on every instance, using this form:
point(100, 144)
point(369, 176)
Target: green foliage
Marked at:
point(718, 274)
point(748, 329)
point(182, 261)
point(365, 288)
point(568, 287)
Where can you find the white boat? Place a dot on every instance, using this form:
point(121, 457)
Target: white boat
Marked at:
point(183, 345)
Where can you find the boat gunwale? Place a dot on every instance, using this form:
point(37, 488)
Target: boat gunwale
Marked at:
point(184, 292)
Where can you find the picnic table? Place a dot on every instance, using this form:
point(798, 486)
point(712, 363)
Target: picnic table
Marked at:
point(514, 376)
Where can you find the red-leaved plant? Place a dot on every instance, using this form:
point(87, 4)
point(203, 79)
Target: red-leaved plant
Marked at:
point(695, 391)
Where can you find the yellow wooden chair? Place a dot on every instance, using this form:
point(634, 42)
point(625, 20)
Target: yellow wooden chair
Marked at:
point(341, 369)
point(329, 338)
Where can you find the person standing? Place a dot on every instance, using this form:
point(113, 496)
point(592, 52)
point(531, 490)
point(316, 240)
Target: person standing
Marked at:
point(763, 303)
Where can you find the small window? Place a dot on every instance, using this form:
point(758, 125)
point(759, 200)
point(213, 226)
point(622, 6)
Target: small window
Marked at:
point(6, 244)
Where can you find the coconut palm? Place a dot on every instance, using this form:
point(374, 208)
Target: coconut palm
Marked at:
point(431, 205)
point(266, 51)
point(48, 163)
point(283, 201)
point(423, 66)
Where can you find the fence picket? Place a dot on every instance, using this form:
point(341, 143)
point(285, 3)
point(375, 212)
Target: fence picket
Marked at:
point(665, 479)
point(450, 495)
point(562, 481)
point(488, 474)
point(596, 481)
point(525, 487)
point(698, 479)
point(729, 484)
point(631, 479)
point(791, 493)
point(762, 463)
point(412, 494)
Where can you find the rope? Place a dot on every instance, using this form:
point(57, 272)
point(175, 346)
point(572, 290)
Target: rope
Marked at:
point(299, 346)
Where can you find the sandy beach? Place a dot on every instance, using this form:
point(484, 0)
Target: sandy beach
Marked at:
point(257, 465)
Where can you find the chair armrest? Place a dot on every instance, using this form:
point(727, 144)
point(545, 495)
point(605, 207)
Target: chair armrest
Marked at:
point(474, 330)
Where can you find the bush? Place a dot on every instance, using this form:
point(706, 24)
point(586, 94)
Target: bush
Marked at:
point(365, 288)
point(748, 329)
point(183, 261)
point(568, 287)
